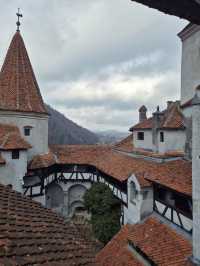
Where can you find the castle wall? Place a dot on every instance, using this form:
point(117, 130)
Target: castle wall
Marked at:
point(141, 205)
point(13, 171)
point(190, 69)
point(173, 140)
point(39, 133)
point(146, 143)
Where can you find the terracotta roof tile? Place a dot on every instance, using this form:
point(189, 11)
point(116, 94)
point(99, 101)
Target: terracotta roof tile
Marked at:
point(116, 252)
point(43, 161)
point(33, 235)
point(172, 119)
point(176, 174)
point(126, 144)
point(19, 90)
point(160, 243)
point(11, 139)
point(157, 241)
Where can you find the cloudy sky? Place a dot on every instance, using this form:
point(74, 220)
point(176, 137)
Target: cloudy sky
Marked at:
point(98, 61)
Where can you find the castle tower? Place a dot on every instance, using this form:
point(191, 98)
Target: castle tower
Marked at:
point(21, 103)
point(190, 67)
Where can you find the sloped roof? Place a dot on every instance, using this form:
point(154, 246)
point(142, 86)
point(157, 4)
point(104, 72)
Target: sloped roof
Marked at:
point(19, 90)
point(161, 244)
point(155, 240)
point(116, 251)
point(43, 161)
point(10, 138)
point(176, 174)
point(172, 118)
point(125, 145)
point(33, 235)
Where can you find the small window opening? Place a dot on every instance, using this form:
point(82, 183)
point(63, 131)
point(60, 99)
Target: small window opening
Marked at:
point(27, 131)
point(140, 135)
point(15, 154)
point(162, 138)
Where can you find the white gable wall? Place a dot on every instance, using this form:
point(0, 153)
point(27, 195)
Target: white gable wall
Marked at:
point(146, 143)
point(39, 132)
point(173, 140)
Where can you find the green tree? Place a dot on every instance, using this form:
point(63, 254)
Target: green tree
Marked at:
point(105, 211)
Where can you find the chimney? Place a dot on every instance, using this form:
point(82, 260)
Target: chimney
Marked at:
point(157, 119)
point(196, 175)
point(142, 113)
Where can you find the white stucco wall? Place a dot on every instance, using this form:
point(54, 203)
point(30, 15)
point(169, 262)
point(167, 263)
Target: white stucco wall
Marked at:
point(146, 143)
point(39, 132)
point(190, 72)
point(139, 208)
point(14, 170)
point(173, 140)
point(187, 111)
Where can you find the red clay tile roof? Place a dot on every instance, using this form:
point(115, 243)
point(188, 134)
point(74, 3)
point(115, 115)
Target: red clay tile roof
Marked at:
point(176, 175)
point(116, 252)
point(157, 241)
point(10, 138)
point(146, 124)
point(172, 119)
point(33, 235)
point(160, 243)
point(79, 154)
point(126, 144)
point(42, 161)
point(19, 90)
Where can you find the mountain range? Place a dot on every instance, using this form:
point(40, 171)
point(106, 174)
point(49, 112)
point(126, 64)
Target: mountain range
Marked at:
point(62, 130)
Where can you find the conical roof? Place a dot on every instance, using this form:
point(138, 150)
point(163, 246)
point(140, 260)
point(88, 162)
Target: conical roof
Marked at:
point(19, 90)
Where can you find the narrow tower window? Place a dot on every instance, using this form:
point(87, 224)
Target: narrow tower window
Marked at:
point(140, 135)
point(162, 138)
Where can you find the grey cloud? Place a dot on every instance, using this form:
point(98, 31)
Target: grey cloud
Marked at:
point(96, 40)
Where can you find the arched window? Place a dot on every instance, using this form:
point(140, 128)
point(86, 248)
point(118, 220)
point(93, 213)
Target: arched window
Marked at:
point(133, 192)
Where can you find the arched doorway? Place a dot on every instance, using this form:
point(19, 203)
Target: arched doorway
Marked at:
point(55, 197)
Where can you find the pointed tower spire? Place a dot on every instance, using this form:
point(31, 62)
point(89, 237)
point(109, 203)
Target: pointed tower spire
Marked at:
point(19, 90)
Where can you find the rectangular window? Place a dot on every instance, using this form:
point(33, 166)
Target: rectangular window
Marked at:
point(15, 154)
point(162, 139)
point(140, 135)
point(27, 131)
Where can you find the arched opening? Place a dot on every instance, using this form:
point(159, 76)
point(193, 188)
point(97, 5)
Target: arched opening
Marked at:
point(76, 194)
point(54, 197)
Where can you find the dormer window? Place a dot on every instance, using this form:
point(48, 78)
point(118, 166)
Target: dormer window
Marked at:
point(140, 135)
point(27, 130)
point(15, 154)
point(162, 138)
